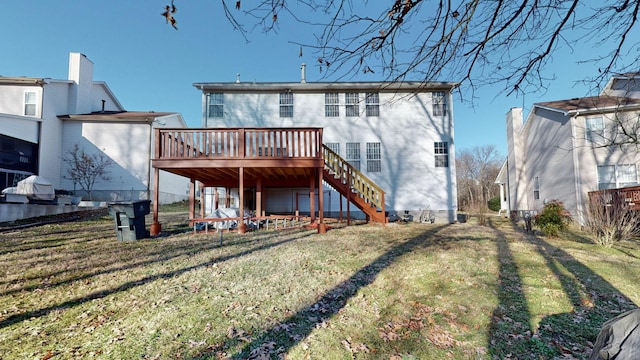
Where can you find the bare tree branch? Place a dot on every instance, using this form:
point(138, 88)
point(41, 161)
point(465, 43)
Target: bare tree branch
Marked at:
point(473, 42)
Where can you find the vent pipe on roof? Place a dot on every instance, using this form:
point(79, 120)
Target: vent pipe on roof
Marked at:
point(303, 73)
point(103, 101)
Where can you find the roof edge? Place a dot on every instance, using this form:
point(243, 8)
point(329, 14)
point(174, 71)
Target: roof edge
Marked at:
point(325, 86)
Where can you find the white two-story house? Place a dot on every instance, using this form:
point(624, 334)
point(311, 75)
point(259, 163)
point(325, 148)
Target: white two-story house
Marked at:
point(399, 135)
point(568, 148)
point(43, 119)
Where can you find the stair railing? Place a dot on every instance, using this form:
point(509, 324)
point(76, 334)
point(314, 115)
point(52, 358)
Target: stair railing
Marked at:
point(359, 182)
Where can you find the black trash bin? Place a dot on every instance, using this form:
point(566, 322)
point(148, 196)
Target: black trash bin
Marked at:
point(129, 218)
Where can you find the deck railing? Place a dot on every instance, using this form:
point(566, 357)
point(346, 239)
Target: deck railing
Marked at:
point(349, 174)
point(627, 198)
point(238, 143)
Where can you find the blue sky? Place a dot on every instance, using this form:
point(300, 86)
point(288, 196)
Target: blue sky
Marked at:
point(150, 66)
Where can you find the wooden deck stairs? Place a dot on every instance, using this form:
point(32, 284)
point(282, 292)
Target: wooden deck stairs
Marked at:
point(355, 186)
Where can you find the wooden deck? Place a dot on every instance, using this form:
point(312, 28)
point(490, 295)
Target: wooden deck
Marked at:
point(628, 198)
point(262, 158)
point(276, 156)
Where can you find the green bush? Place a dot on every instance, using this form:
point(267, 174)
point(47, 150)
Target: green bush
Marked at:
point(494, 204)
point(553, 218)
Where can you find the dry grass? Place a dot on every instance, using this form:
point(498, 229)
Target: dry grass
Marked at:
point(414, 291)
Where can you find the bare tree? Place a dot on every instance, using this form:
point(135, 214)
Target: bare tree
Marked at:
point(473, 42)
point(86, 169)
point(476, 170)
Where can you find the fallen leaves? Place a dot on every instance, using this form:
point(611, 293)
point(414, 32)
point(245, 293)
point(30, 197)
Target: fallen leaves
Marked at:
point(354, 347)
point(422, 320)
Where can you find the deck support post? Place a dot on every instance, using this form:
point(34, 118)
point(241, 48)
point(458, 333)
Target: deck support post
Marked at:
point(242, 227)
point(348, 198)
point(202, 198)
point(192, 198)
point(340, 215)
point(259, 191)
point(312, 197)
point(321, 225)
point(155, 225)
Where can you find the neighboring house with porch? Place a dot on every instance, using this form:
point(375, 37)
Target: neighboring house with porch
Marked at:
point(43, 118)
point(562, 151)
point(400, 136)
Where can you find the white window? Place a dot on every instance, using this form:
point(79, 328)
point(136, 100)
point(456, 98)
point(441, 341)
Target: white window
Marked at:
point(616, 176)
point(374, 164)
point(335, 147)
point(352, 105)
point(216, 105)
point(373, 104)
point(353, 154)
point(331, 105)
point(286, 104)
point(441, 152)
point(536, 188)
point(594, 130)
point(30, 103)
point(439, 102)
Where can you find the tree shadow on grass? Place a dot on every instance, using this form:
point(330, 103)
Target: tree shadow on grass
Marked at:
point(510, 329)
point(16, 318)
point(282, 337)
point(164, 252)
point(560, 335)
point(594, 301)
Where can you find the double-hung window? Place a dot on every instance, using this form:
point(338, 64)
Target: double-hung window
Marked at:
point(372, 102)
point(374, 162)
point(441, 152)
point(353, 154)
point(594, 130)
point(331, 105)
point(352, 104)
point(286, 104)
point(30, 103)
point(536, 188)
point(439, 102)
point(616, 176)
point(334, 146)
point(216, 105)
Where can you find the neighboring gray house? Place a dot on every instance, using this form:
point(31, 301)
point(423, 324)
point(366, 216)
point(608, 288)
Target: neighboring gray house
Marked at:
point(400, 135)
point(43, 118)
point(561, 151)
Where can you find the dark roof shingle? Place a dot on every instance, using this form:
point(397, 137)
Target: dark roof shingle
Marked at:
point(590, 103)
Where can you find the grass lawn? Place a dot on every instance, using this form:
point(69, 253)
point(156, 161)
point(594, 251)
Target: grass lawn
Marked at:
point(404, 291)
